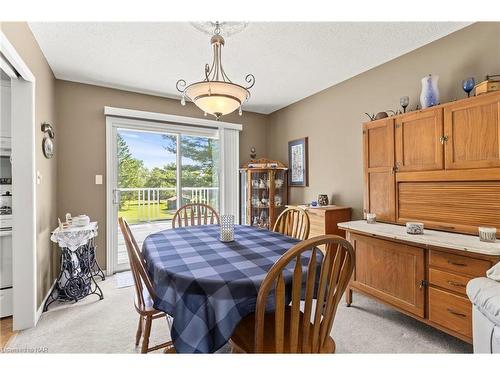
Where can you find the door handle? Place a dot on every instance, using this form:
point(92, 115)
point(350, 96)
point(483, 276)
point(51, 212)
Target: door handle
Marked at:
point(116, 196)
point(443, 139)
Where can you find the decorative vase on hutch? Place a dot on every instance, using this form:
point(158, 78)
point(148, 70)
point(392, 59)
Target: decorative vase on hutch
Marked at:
point(430, 93)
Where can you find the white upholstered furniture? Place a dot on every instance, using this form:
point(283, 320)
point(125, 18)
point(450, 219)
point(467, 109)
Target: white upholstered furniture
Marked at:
point(484, 294)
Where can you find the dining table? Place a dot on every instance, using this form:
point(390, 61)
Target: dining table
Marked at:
point(207, 286)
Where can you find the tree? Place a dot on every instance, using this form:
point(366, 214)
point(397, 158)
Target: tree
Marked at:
point(201, 151)
point(131, 171)
point(162, 177)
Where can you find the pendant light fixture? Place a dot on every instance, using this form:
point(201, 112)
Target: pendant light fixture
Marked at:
point(216, 94)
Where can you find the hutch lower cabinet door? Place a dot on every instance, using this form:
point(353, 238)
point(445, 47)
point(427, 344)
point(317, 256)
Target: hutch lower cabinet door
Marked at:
point(378, 144)
point(390, 271)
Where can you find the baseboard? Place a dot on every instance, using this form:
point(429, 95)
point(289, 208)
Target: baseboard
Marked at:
point(39, 312)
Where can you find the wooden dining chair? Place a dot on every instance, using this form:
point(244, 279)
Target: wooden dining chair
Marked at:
point(195, 214)
point(288, 329)
point(293, 222)
point(144, 292)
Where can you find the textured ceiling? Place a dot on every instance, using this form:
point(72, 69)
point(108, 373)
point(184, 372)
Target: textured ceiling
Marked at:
point(290, 61)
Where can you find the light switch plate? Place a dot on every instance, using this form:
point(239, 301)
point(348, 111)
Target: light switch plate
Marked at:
point(98, 179)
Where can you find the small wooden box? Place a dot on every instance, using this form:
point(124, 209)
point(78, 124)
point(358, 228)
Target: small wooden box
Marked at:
point(487, 86)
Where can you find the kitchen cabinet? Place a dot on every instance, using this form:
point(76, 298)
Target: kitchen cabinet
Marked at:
point(378, 145)
point(419, 141)
point(472, 133)
point(424, 277)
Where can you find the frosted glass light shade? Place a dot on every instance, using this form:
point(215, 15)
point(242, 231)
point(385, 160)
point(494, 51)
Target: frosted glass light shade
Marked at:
point(217, 98)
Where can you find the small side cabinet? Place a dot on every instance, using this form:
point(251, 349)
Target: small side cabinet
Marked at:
point(324, 220)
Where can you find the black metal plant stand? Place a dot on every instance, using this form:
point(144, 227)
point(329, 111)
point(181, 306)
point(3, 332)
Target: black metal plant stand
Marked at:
point(76, 279)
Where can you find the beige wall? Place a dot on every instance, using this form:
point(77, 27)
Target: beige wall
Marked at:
point(332, 118)
point(82, 144)
point(24, 42)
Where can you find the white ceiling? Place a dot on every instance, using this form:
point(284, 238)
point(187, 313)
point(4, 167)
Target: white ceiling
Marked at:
point(290, 60)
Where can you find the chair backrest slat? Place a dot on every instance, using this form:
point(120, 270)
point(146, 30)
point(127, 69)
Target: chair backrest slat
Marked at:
point(293, 222)
point(325, 282)
point(137, 264)
point(337, 275)
point(295, 306)
point(280, 314)
point(310, 285)
point(320, 296)
point(195, 214)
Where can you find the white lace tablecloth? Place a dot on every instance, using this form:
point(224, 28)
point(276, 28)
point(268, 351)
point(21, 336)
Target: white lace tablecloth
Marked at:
point(74, 237)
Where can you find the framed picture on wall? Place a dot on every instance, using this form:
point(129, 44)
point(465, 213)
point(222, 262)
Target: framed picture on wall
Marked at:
point(298, 162)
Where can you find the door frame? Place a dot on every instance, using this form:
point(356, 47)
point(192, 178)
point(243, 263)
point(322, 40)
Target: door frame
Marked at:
point(118, 118)
point(25, 308)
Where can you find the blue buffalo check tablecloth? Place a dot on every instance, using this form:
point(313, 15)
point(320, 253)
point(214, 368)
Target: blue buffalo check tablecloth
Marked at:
point(206, 285)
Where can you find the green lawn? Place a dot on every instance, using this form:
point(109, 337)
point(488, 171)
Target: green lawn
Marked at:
point(130, 211)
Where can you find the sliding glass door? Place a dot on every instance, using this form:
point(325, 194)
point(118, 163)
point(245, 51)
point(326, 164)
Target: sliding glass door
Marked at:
point(157, 169)
point(199, 170)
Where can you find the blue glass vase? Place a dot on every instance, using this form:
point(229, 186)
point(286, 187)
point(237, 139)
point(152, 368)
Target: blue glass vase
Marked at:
point(468, 85)
point(430, 92)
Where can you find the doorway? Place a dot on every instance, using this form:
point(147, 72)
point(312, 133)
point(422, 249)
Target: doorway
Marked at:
point(155, 169)
point(21, 141)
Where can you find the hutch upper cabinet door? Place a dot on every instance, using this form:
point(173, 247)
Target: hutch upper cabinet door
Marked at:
point(378, 143)
point(472, 131)
point(419, 141)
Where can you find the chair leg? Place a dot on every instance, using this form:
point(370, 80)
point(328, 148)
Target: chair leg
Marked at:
point(348, 297)
point(147, 332)
point(139, 331)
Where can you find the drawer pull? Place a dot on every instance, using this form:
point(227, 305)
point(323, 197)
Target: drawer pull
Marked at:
point(457, 313)
point(454, 283)
point(457, 264)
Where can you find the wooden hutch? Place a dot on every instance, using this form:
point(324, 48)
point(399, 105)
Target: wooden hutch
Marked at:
point(264, 192)
point(439, 166)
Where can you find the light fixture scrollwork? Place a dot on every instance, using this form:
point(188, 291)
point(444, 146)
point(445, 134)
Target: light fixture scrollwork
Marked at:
point(216, 94)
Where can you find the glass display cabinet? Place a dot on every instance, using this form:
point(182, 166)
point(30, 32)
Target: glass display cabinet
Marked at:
point(264, 192)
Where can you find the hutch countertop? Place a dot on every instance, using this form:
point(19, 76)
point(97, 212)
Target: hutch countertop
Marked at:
point(436, 238)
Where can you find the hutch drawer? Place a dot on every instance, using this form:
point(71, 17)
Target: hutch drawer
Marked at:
point(450, 311)
point(447, 280)
point(457, 263)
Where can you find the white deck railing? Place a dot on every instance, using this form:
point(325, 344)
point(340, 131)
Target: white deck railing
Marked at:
point(149, 200)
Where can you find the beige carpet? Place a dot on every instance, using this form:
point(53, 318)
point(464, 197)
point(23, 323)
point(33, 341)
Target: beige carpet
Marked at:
point(108, 326)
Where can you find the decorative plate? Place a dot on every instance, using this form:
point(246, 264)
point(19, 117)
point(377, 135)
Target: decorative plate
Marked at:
point(48, 147)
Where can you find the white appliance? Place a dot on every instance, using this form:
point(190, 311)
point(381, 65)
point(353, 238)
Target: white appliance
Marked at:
point(6, 295)
point(6, 290)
